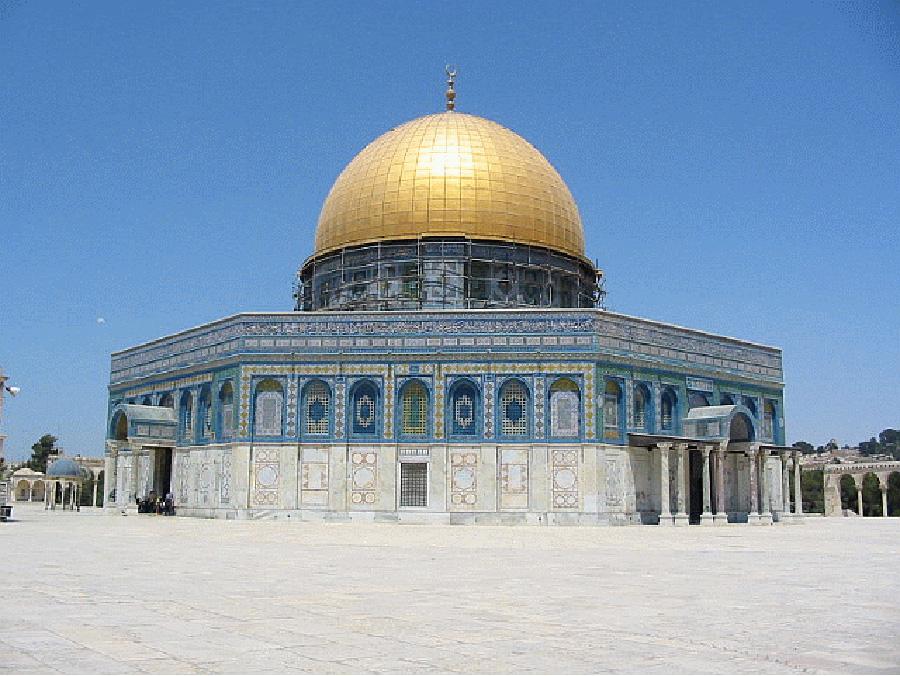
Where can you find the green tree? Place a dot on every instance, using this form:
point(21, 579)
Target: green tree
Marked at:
point(40, 451)
point(887, 443)
point(804, 446)
point(871, 490)
point(849, 498)
point(813, 489)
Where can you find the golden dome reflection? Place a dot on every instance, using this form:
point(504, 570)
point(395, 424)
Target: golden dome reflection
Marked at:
point(450, 174)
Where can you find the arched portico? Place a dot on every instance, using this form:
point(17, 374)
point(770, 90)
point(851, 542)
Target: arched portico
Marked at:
point(871, 483)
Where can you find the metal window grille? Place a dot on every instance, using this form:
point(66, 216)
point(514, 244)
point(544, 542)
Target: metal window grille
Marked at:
point(667, 409)
point(227, 419)
point(565, 409)
point(514, 409)
point(318, 402)
point(414, 484)
point(611, 412)
point(464, 413)
point(268, 414)
point(187, 413)
point(640, 409)
point(415, 410)
point(768, 424)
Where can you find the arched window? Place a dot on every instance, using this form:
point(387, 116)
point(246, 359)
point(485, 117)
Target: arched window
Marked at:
point(667, 402)
point(697, 400)
point(612, 403)
point(167, 400)
point(269, 408)
point(514, 409)
point(364, 407)
point(204, 409)
point(565, 409)
point(226, 410)
point(768, 426)
point(186, 416)
point(317, 408)
point(641, 407)
point(120, 427)
point(741, 429)
point(414, 410)
point(726, 400)
point(465, 409)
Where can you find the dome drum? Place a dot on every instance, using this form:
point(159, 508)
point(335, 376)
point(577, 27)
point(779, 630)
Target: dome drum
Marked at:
point(446, 272)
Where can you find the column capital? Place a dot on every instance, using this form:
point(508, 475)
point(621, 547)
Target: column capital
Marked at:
point(706, 449)
point(797, 455)
point(785, 456)
point(752, 452)
point(681, 447)
point(664, 446)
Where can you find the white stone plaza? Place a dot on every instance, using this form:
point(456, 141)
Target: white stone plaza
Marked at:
point(93, 592)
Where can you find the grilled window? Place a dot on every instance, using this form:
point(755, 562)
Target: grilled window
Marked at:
point(318, 404)
point(226, 400)
point(269, 404)
point(364, 412)
point(414, 484)
point(565, 420)
point(514, 409)
point(414, 410)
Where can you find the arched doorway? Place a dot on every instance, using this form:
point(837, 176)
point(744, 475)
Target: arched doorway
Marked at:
point(848, 493)
point(38, 490)
point(23, 491)
point(871, 494)
point(740, 429)
point(893, 494)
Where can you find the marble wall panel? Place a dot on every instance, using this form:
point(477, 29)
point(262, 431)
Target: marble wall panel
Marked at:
point(514, 478)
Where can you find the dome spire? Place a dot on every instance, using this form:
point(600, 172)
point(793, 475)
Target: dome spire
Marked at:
point(451, 82)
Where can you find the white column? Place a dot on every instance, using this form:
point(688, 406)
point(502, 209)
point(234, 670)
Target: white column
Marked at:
point(707, 517)
point(765, 511)
point(665, 512)
point(884, 511)
point(753, 517)
point(859, 502)
point(721, 506)
point(785, 486)
point(798, 491)
point(681, 516)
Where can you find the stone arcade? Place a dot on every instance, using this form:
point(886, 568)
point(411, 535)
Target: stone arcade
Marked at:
point(448, 360)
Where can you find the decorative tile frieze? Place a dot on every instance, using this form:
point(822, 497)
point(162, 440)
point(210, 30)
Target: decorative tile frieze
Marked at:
point(599, 330)
point(539, 397)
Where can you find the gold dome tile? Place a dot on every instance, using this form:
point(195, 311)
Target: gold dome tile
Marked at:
point(450, 173)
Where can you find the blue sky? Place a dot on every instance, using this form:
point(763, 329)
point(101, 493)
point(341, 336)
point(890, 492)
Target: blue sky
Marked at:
point(737, 167)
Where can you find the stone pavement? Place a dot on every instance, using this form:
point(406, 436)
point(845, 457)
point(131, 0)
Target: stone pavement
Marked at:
point(92, 592)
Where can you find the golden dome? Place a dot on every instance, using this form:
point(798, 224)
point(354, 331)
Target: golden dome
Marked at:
point(450, 174)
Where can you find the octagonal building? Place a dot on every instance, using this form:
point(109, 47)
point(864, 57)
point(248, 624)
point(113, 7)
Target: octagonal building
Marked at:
point(448, 360)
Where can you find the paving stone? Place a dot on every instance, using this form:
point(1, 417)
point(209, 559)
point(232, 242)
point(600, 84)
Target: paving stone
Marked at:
point(102, 593)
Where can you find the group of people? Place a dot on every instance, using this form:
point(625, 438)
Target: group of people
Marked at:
point(154, 504)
